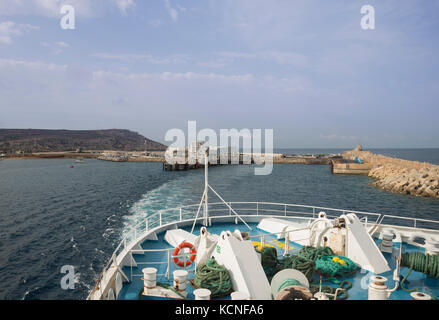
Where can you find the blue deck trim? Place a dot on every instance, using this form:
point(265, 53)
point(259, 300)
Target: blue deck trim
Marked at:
point(130, 291)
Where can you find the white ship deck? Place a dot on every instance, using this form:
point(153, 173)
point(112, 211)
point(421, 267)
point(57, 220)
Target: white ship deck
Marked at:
point(157, 253)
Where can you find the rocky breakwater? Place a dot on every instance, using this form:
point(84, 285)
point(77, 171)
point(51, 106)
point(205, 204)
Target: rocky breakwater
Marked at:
point(401, 176)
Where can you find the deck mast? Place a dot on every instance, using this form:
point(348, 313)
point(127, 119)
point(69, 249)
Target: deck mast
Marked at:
point(206, 187)
point(205, 198)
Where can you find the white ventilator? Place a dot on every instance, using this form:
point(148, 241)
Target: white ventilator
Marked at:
point(241, 261)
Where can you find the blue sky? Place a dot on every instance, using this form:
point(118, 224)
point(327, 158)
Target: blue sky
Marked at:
point(303, 68)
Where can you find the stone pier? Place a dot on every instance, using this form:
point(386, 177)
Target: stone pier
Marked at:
point(400, 176)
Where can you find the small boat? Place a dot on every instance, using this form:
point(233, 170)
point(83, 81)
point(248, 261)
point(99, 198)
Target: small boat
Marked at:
point(79, 161)
point(272, 251)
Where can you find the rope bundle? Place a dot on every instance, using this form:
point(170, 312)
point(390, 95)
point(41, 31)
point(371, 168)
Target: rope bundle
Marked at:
point(346, 285)
point(305, 260)
point(420, 262)
point(330, 268)
point(214, 277)
point(269, 261)
point(288, 283)
point(309, 260)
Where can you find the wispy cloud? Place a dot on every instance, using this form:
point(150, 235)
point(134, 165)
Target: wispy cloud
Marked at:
point(10, 29)
point(173, 13)
point(155, 23)
point(280, 57)
point(171, 59)
point(55, 47)
point(125, 5)
point(51, 8)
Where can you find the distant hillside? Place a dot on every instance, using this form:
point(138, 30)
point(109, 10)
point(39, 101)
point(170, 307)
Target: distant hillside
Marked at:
point(36, 140)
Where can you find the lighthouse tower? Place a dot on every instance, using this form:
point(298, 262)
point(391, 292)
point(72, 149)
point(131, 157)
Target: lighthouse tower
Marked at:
point(359, 147)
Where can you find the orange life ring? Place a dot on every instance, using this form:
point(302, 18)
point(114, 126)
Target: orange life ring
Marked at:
point(177, 250)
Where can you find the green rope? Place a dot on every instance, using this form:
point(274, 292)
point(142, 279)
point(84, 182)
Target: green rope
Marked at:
point(167, 286)
point(326, 266)
point(269, 261)
point(163, 285)
point(214, 277)
point(305, 260)
point(343, 295)
point(288, 283)
point(420, 262)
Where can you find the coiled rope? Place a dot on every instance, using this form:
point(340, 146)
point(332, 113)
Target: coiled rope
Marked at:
point(305, 260)
point(288, 283)
point(214, 277)
point(342, 295)
point(420, 262)
point(330, 267)
point(269, 261)
point(310, 260)
point(163, 285)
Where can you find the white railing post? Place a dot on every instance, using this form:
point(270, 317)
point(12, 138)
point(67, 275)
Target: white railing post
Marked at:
point(124, 242)
point(414, 223)
point(146, 224)
point(313, 212)
point(287, 243)
point(285, 210)
point(168, 268)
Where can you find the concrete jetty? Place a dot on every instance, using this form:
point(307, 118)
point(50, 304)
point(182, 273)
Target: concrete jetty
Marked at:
point(400, 176)
point(345, 166)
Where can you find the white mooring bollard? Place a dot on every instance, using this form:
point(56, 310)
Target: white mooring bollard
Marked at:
point(238, 295)
point(420, 296)
point(180, 277)
point(202, 294)
point(149, 277)
point(378, 289)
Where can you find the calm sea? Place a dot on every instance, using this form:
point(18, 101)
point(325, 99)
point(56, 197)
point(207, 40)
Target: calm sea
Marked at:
point(52, 215)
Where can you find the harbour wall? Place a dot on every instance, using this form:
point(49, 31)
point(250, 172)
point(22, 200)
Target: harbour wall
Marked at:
point(400, 176)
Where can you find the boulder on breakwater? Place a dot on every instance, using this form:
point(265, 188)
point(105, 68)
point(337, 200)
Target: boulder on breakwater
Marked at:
point(400, 176)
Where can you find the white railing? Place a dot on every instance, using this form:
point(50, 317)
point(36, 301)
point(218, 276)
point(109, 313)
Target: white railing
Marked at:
point(217, 209)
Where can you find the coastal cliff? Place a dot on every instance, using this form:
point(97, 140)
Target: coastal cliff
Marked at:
point(400, 176)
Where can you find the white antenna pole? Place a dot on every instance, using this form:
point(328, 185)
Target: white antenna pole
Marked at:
point(206, 187)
